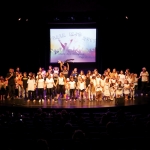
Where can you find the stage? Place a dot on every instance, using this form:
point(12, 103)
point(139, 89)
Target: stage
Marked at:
point(61, 103)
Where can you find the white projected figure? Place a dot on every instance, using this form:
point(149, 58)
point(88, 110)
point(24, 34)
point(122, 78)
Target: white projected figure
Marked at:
point(65, 46)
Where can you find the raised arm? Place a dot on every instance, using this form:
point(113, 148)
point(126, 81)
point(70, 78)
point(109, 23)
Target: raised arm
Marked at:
point(61, 66)
point(68, 66)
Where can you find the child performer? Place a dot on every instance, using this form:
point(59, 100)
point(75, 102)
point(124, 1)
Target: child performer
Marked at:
point(112, 91)
point(72, 87)
point(61, 86)
point(119, 90)
point(20, 85)
point(91, 91)
point(126, 89)
point(106, 89)
point(2, 89)
point(31, 87)
point(25, 85)
point(40, 87)
point(49, 83)
point(81, 87)
point(87, 83)
point(98, 91)
point(136, 79)
point(132, 91)
point(67, 90)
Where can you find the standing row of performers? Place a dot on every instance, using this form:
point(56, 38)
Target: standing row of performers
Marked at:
point(54, 84)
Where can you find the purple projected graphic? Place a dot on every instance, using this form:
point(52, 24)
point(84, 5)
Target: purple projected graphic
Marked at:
point(77, 44)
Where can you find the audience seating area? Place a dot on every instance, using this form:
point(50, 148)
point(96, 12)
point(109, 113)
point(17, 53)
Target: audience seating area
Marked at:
point(87, 129)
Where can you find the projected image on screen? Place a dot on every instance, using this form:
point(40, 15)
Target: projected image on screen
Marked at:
point(77, 44)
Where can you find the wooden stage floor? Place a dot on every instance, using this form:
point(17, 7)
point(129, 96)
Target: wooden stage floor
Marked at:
point(141, 100)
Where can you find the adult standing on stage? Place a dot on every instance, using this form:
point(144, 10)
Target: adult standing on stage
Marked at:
point(144, 75)
point(11, 76)
point(64, 69)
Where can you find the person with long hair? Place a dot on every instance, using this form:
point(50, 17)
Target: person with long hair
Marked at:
point(40, 87)
point(82, 88)
point(25, 85)
point(11, 76)
point(64, 69)
point(31, 87)
point(2, 89)
point(72, 87)
point(126, 89)
point(61, 86)
point(50, 84)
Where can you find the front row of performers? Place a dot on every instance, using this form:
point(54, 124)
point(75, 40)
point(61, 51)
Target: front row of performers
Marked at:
point(92, 86)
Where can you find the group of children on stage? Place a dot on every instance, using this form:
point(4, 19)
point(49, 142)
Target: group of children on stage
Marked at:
point(91, 86)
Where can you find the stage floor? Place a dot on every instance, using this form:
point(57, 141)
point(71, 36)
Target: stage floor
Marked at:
point(61, 103)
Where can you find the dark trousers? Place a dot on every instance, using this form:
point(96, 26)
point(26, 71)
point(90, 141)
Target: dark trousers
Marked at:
point(55, 88)
point(11, 90)
point(61, 89)
point(144, 87)
point(31, 95)
point(25, 91)
point(72, 93)
point(50, 93)
point(16, 92)
point(136, 89)
point(41, 93)
point(6, 92)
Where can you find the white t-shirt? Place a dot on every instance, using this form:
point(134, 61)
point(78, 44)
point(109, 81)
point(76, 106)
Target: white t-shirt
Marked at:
point(144, 76)
point(102, 82)
point(98, 80)
point(72, 84)
point(40, 83)
point(122, 78)
point(112, 81)
point(31, 84)
point(61, 81)
point(82, 86)
point(49, 82)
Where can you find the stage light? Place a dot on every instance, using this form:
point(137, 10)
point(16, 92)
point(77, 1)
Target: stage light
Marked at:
point(126, 17)
point(19, 19)
point(72, 18)
point(89, 18)
point(56, 19)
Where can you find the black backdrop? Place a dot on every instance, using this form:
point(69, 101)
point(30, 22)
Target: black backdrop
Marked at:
point(121, 43)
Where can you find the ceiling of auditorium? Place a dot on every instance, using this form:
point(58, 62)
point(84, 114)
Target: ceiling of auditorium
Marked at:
point(66, 6)
point(51, 8)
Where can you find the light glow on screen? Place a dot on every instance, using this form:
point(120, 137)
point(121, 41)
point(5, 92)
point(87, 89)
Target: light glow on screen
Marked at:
point(77, 44)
